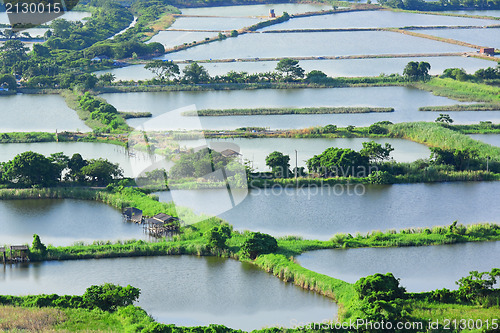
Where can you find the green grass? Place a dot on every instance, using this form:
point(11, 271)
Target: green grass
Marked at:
point(277, 111)
point(436, 135)
point(342, 292)
point(462, 107)
point(27, 137)
point(462, 91)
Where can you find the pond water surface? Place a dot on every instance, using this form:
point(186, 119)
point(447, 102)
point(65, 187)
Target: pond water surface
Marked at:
point(256, 150)
point(132, 164)
point(375, 19)
point(491, 139)
point(339, 67)
point(319, 213)
point(423, 268)
point(256, 10)
point(37, 113)
point(481, 37)
point(181, 290)
point(405, 101)
point(264, 45)
point(63, 222)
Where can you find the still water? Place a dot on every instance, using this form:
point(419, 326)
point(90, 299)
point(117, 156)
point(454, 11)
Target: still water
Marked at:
point(63, 222)
point(404, 100)
point(420, 269)
point(491, 139)
point(170, 39)
point(132, 164)
point(319, 213)
point(256, 150)
point(376, 19)
point(38, 113)
point(264, 45)
point(340, 67)
point(181, 290)
point(213, 23)
point(481, 37)
point(256, 10)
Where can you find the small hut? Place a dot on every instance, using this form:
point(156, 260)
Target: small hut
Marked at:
point(487, 50)
point(161, 224)
point(133, 215)
point(19, 252)
point(272, 14)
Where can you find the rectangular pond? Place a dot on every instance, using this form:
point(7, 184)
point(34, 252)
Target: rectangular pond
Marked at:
point(38, 113)
point(481, 37)
point(181, 290)
point(404, 100)
point(213, 23)
point(422, 268)
point(256, 10)
point(256, 150)
point(376, 19)
point(261, 45)
point(170, 39)
point(132, 162)
point(338, 67)
point(319, 213)
point(63, 222)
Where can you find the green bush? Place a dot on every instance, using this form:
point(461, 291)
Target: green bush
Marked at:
point(259, 243)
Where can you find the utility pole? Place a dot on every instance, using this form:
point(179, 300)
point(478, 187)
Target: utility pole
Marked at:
point(296, 164)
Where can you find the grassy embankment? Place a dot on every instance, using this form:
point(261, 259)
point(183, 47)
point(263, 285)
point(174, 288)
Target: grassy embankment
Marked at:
point(280, 264)
point(461, 107)
point(277, 111)
point(462, 90)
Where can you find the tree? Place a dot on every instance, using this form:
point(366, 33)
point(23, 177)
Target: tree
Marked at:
point(423, 70)
point(75, 165)
point(258, 243)
point(339, 162)
point(107, 78)
point(279, 163)
point(12, 52)
point(163, 69)
point(415, 71)
point(377, 129)
point(477, 284)
point(38, 246)
point(30, 168)
point(444, 119)
point(290, 69)
point(217, 236)
point(234, 33)
point(459, 158)
point(8, 81)
point(195, 73)
point(101, 171)
point(108, 296)
point(316, 76)
point(375, 152)
point(410, 72)
point(40, 50)
point(60, 161)
point(61, 28)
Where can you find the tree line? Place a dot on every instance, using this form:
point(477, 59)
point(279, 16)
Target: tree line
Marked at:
point(441, 5)
point(32, 169)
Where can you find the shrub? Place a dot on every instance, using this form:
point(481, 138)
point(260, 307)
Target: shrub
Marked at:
point(259, 243)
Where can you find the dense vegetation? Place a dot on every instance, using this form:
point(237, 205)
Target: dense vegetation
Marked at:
point(32, 169)
point(440, 5)
point(271, 111)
